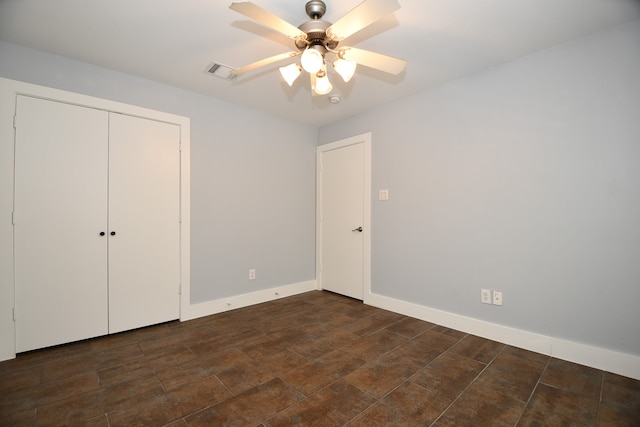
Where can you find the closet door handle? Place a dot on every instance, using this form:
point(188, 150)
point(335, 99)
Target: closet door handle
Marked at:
point(113, 233)
point(102, 233)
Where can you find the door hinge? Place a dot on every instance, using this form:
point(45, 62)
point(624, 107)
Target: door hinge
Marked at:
point(15, 121)
point(13, 313)
point(179, 288)
point(13, 218)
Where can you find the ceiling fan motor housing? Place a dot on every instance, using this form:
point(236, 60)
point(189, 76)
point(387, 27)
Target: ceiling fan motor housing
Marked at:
point(315, 9)
point(316, 31)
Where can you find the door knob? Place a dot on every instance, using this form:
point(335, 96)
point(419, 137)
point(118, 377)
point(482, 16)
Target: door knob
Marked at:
point(113, 233)
point(359, 229)
point(102, 233)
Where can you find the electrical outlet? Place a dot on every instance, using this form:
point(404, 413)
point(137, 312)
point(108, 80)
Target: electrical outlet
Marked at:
point(485, 296)
point(252, 274)
point(497, 298)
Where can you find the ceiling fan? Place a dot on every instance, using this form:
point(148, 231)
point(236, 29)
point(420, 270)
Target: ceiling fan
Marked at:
point(318, 42)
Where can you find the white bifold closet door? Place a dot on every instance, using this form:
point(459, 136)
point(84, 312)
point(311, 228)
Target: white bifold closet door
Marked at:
point(60, 209)
point(96, 216)
point(144, 214)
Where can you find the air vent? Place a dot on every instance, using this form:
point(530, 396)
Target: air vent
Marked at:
point(221, 71)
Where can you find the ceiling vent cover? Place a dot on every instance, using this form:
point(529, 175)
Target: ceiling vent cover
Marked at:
point(221, 71)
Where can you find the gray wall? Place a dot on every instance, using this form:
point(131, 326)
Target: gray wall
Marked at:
point(524, 179)
point(252, 175)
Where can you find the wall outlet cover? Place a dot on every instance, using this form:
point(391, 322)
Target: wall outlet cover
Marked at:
point(485, 296)
point(497, 298)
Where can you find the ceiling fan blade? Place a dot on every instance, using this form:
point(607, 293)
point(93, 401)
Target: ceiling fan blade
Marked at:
point(267, 18)
point(363, 15)
point(263, 62)
point(381, 62)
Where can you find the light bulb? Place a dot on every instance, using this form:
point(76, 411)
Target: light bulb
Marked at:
point(345, 68)
point(312, 60)
point(323, 85)
point(290, 73)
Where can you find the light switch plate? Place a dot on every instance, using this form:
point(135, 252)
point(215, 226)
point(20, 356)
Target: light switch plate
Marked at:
point(383, 194)
point(485, 296)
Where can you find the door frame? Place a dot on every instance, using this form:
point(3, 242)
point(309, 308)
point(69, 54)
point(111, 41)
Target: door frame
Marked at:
point(364, 139)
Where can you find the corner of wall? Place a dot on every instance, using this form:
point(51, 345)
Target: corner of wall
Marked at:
point(195, 311)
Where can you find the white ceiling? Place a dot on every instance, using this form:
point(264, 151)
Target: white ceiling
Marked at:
point(175, 41)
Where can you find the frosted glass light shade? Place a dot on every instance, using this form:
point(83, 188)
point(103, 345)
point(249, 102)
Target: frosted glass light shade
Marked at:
point(345, 68)
point(312, 60)
point(290, 73)
point(323, 85)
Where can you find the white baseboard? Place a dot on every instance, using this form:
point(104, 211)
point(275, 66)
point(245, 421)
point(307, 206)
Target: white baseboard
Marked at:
point(238, 301)
point(218, 306)
point(611, 361)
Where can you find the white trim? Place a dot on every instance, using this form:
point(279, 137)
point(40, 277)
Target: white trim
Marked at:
point(9, 89)
point(185, 219)
point(596, 357)
point(239, 301)
point(364, 139)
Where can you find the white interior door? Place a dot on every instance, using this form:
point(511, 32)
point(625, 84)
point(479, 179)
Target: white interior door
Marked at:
point(344, 225)
point(59, 212)
point(144, 228)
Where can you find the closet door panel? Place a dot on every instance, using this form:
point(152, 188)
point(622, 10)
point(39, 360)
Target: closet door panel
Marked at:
point(60, 210)
point(144, 208)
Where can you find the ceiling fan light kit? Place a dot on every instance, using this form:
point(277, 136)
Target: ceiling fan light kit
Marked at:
point(317, 42)
point(323, 85)
point(345, 68)
point(290, 73)
point(312, 59)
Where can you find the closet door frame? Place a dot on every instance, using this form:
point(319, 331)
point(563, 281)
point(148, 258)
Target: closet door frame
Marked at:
point(9, 90)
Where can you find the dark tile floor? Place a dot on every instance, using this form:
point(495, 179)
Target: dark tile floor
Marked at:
point(316, 359)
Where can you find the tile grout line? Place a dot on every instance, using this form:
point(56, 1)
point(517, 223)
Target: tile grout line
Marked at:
point(409, 339)
point(411, 376)
point(433, 360)
point(533, 391)
point(470, 384)
point(600, 399)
